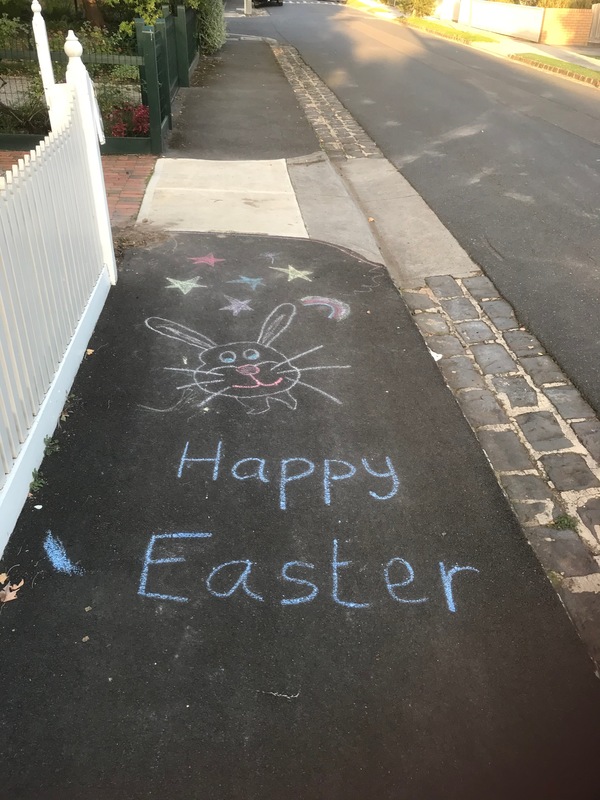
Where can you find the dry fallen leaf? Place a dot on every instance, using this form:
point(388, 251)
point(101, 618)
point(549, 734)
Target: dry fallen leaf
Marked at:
point(9, 592)
point(88, 352)
point(3, 577)
point(371, 219)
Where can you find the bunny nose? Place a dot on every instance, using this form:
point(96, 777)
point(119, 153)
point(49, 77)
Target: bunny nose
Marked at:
point(248, 369)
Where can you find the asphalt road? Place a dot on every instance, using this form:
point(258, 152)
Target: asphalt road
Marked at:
point(507, 157)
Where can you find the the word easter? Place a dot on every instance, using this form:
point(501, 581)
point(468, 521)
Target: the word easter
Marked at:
point(231, 577)
point(283, 472)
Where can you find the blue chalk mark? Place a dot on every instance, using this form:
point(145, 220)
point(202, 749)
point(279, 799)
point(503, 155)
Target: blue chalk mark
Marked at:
point(390, 474)
point(148, 561)
point(57, 555)
point(328, 477)
point(294, 601)
point(251, 282)
point(216, 460)
point(285, 478)
point(260, 473)
point(409, 579)
point(447, 576)
point(241, 581)
point(335, 564)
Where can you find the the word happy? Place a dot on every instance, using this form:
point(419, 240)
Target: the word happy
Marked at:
point(287, 472)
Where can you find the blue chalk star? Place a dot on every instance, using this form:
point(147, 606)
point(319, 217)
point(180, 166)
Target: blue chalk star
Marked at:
point(251, 282)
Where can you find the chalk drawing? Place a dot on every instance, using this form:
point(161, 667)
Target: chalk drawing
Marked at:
point(375, 276)
point(335, 566)
point(251, 282)
point(286, 471)
point(148, 561)
point(238, 577)
point(251, 372)
point(236, 306)
point(242, 580)
point(270, 256)
point(293, 273)
point(185, 287)
point(57, 555)
point(209, 259)
point(337, 309)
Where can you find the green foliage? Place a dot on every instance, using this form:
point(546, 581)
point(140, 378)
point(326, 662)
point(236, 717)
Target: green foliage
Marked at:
point(561, 66)
point(50, 446)
point(13, 30)
point(27, 113)
point(148, 10)
point(211, 24)
point(418, 8)
point(445, 30)
point(564, 523)
point(37, 482)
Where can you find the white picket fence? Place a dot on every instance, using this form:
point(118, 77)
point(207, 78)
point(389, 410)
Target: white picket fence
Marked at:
point(56, 268)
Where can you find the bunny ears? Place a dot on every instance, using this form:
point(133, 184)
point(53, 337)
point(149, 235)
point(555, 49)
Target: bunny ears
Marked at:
point(275, 324)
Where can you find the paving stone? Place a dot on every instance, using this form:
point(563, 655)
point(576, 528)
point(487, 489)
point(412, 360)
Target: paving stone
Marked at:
point(501, 314)
point(445, 345)
point(481, 408)
point(505, 451)
point(475, 331)
point(460, 309)
point(460, 373)
point(561, 551)
point(568, 471)
point(523, 343)
point(525, 487)
point(431, 323)
point(542, 370)
point(569, 403)
point(528, 512)
point(480, 287)
point(518, 391)
point(443, 286)
point(417, 301)
point(584, 610)
point(542, 431)
point(590, 515)
point(588, 433)
point(493, 359)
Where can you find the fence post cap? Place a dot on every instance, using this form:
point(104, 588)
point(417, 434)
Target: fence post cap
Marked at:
point(36, 7)
point(73, 46)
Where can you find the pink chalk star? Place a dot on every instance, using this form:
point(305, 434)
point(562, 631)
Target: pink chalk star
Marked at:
point(209, 259)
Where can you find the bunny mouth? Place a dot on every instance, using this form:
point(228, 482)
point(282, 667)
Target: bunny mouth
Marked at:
point(251, 371)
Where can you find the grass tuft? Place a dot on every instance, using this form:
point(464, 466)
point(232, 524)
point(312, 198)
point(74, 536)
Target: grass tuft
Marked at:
point(445, 30)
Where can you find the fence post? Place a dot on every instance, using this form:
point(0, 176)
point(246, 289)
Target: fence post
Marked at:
point(148, 45)
point(139, 27)
point(77, 77)
point(183, 57)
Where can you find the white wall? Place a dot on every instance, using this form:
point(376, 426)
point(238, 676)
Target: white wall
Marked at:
point(522, 22)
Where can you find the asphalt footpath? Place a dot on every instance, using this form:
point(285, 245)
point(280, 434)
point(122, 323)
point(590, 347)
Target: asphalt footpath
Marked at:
point(271, 561)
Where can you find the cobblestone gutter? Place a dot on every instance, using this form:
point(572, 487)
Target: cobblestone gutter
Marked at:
point(541, 438)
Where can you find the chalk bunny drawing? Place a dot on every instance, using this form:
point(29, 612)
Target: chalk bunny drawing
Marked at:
point(253, 373)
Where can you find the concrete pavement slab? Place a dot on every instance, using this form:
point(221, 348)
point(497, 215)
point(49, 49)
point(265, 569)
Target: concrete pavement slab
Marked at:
point(413, 240)
point(271, 559)
point(242, 196)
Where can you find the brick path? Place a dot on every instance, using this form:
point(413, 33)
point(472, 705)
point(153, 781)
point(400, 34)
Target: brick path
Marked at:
point(126, 178)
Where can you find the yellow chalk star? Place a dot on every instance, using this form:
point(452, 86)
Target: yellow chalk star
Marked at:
point(185, 287)
point(293, 273)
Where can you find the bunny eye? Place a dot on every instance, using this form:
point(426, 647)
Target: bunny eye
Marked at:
point(251, 355)
point(228, 357)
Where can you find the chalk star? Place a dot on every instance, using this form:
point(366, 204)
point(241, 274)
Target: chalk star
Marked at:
point(251, 282)
point(294, 273)
point(236, 306)
point(209, 259)
point(185, 287)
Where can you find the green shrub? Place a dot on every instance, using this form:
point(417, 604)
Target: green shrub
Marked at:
point(418, 8)
point(211, 24)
